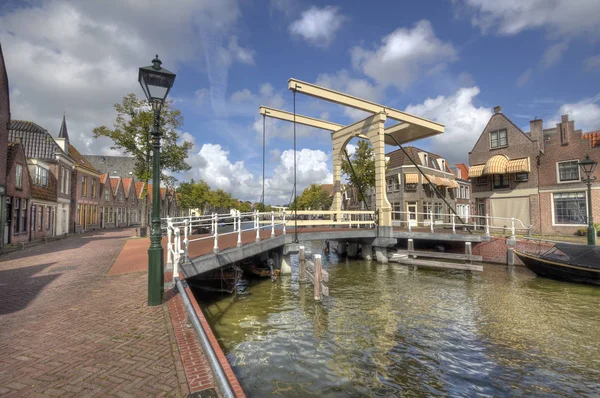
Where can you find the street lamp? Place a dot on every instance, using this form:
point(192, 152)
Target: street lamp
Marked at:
point(587, 166)
point(156, 83)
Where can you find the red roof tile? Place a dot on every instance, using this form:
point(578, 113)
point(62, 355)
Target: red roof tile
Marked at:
point(127, 185)
point(594, 137)
point(114, 184)
point(103, 178)
point(464, 171)
point(139, 188)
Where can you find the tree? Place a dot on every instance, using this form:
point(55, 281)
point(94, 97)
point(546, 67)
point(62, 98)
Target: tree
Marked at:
point(363, 164)
point(131, 133)
point(221, 201)
point(245, 207)
point(193, 195)
point(314, 197)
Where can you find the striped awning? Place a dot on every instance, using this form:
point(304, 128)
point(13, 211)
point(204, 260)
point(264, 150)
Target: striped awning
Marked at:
point(431, 178)
point(453, 184)
point(444, 182)
point(476, 171)
point(518, 166)
point(411, 178)
point(496, 165)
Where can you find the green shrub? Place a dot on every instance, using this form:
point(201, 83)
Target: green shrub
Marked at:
point(582, 231)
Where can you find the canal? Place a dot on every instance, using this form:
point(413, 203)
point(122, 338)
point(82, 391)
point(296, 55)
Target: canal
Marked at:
point(386, 330)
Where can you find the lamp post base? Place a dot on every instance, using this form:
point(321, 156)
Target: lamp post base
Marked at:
point(591, 235)
point(155, 276)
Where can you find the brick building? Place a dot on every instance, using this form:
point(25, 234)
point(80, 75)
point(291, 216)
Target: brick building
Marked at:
point(533, 176)
point(46, 162)
point(85, 194)
point(4, 125)
point(463, 192)
point(18, 193)
point(408, 191)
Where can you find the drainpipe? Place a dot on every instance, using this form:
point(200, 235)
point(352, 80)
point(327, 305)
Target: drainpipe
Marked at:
point(213, 362)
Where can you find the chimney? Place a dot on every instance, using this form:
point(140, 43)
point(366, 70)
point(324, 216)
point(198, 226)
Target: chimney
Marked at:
point(536, 127)
point(498, 109)
point(564, 128)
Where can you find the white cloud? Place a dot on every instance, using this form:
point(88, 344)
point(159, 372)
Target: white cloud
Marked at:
point(90, 53)
point(553, 54)
point(463, 120)
point(403, 55)
point(318, 26)
point(212, 164)
point(559, 17)
point(592, 63)
point(350, 148)
point(586, 113)
point(241, 54)
point(524, 78)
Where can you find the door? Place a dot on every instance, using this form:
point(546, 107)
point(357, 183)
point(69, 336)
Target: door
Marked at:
point(411, 208)
point(7, 219)
point(481, 212)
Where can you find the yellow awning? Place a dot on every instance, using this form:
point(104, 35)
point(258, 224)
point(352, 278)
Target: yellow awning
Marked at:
point(431, 178)
point(453, 184)
point(443, 182)
point(518, 166)
point(411, 178)
point(476, 171)
point(496, 165)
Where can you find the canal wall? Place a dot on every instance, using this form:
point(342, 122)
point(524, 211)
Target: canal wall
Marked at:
point(496, 250)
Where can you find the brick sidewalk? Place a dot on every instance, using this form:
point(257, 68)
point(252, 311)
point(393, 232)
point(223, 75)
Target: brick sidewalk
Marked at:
point(68, 329)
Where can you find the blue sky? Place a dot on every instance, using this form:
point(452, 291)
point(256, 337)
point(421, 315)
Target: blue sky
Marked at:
point(451, 61)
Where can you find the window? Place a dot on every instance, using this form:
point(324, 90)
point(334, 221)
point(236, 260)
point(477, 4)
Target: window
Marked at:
point(466, 193)
point(67, 188)
point(396, 208)
point(396, 181)
point(410, 187)
point(389, 181)
point(121, 196)
point(482, 180)
point(105, 193)
point(570, 208)
point(520, 177)
point(498, 139)
point(437, 211)
point(23, 215)
point(461, 192)
point(33, 217)
point(568, 171)
point(16, 216)
point(19, 176)
point(93, 187)
point(63, 174)
point(40, 218)
point(500, 181)
point(48, 211)
point(443, 164)
point(425, 160)
point(41, 176)
point(83, 185)
point(427, 209)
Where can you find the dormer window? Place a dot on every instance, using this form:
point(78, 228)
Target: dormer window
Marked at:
point(425, 160)
point(498, 139)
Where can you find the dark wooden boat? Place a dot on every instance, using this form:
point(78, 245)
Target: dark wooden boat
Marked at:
point(566, 262)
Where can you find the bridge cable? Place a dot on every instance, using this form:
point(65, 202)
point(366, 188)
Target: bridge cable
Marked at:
point(430, 184)
point(295, 191)
point(358, 185)
point(262, 198)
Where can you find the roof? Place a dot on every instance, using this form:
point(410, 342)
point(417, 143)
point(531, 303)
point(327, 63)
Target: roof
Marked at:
point(115, 166)
point(398, 158)
point(114, 184)
point(163, 193)
point(594, 137)
point(139, 188)
point(13, 149)
point(80, 161)
point(63, 133)
point(37, 142)
point(328, 188)
point(103, 178)
point(127, 185)
point(464, 171)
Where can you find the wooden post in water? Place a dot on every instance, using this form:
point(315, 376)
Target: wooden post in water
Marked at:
point(317, 281)
point(301, 265)
point(411, 247)
point(468, 252)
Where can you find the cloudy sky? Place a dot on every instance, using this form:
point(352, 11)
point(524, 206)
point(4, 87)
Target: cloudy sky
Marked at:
point(450, 61)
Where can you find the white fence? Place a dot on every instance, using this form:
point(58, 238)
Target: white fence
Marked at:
point(411, 219)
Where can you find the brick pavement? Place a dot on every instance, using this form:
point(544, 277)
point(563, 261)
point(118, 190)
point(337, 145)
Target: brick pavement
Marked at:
point(68, 329)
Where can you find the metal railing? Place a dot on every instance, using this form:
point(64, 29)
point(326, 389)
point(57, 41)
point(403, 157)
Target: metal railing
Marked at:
point(411, 219)
point(215, 226)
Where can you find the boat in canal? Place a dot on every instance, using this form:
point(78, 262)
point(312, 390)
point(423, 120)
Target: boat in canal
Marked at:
point(566, 262)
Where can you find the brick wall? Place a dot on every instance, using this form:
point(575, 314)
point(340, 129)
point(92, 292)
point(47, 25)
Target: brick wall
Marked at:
point(496, 250)
point(4, 119)
point(79, 201)
point(22, 194)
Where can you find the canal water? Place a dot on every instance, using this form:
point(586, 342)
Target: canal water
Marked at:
point(386, 330)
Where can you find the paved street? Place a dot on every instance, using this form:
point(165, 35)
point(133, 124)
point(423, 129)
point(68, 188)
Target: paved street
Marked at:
point(69, 329)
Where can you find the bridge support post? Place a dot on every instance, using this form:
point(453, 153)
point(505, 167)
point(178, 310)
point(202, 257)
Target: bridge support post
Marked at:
point(301, 265)
point(487, 225)
point(341, 247)
point(352, 250)
point(453, 224)
point(257, 223)
point(510, 256)
point(411, 247)
point(367, 251)
point(468, 252)
point(381, 255)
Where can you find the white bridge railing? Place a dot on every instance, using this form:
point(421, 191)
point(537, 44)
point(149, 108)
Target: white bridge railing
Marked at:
point(215, 226)
point(411, 219)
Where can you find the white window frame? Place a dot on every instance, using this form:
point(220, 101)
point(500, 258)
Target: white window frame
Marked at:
point(466, 193)
point(19, 176)
point(558, 180)
point(497, 132)
point(554, 224)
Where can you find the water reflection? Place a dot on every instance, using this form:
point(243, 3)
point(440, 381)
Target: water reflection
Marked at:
point(386, 330)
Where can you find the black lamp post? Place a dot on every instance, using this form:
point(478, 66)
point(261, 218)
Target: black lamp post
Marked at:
point(587, 166)
point(156, 83)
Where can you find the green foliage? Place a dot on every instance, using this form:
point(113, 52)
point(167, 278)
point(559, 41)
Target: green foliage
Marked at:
point(131, 133)
point(363, 163)
point(221, 201)
point(582, 231)
point(193, 195)
point(314, 197)
point(245, 207)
